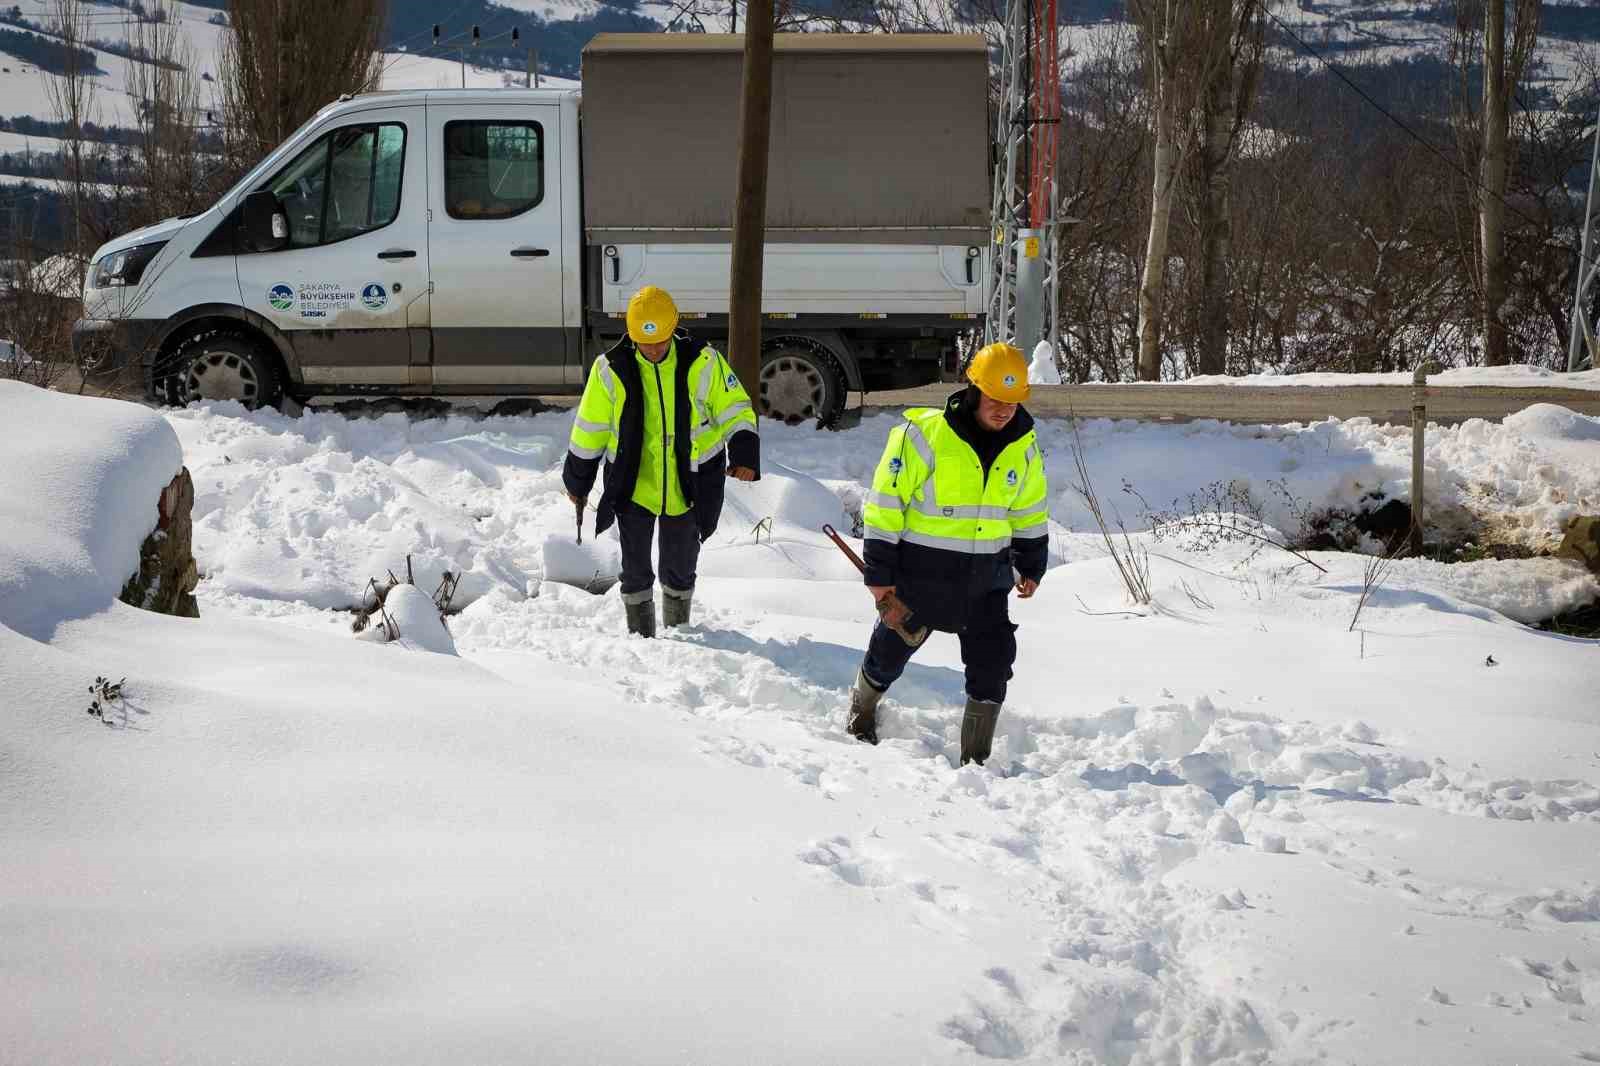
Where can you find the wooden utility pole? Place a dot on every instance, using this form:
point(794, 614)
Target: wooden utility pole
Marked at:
point(750, 209)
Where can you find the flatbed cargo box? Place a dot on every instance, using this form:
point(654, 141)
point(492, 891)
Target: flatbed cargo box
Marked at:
point(876, 138)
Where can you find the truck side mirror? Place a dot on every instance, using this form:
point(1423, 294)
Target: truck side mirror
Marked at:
point(266, 227)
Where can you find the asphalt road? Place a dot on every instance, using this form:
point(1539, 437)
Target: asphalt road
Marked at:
point(1268, 404)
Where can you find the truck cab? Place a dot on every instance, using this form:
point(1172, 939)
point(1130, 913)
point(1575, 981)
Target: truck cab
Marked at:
point(407, 243)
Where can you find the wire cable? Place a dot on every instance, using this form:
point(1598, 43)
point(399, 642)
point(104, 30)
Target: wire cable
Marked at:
point(1445, 157)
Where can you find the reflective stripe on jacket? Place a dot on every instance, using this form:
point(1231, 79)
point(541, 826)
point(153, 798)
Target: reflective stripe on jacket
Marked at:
point(660, 468)
point(943, 530)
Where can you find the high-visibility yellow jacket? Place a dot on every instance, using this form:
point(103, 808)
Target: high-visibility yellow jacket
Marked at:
point(953, 508)
point(631, 416)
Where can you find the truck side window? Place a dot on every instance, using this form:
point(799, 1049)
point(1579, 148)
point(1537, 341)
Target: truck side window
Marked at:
point(492, 169)
point(344, 185)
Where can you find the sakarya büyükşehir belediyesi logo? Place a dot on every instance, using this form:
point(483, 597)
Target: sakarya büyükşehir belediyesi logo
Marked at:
point(281, 297)
point(373, 297)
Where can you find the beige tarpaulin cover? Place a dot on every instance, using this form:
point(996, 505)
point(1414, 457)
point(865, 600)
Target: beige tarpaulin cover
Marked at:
point(876, 138)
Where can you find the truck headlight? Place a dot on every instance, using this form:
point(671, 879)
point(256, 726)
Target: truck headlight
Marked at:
point(127, 266)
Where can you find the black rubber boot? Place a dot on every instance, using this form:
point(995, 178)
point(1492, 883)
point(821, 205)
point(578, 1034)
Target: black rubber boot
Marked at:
point(862, 722)
point(641, 617)
point(977, 730)
point(675, 608)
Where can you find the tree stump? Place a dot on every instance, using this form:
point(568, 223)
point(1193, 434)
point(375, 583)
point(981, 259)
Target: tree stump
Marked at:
point(167, 573)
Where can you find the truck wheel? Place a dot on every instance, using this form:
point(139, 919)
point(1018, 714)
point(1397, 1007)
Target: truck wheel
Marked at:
point(226, 366)
point(799, 383)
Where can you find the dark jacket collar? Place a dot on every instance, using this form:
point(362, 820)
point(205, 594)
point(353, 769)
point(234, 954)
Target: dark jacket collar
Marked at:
point(961, 411)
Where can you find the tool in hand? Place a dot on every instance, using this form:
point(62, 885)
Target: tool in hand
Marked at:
point(891, 609)
point(577, 506)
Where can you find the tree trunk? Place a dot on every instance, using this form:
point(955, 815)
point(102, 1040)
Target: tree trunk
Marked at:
point(750, 208)
point(1165, 160)
point(1492, 181)
point(1214, 222)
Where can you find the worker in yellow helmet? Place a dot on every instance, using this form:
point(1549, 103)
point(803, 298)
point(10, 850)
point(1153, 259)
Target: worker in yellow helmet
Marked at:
point(672, 421)
point(957, 517)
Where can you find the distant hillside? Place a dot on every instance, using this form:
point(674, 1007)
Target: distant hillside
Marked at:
point(44, 52)
point(559, 41)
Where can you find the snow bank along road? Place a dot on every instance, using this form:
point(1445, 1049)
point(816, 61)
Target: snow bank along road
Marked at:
point(1225, 828)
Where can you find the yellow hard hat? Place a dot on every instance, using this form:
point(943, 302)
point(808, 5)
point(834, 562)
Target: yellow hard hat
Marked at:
point(1000, 373)
point(652, 316)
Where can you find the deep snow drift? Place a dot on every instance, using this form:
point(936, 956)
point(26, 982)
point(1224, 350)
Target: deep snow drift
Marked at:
point(308, 509)
point(1225, 828)
point(77, 497)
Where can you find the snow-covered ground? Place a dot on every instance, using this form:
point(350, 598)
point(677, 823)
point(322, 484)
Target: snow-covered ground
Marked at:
point(410, 70)
point(24, 144)
point(25, 89)
point(1222, 829)
point(307, 509)
point(62, 187)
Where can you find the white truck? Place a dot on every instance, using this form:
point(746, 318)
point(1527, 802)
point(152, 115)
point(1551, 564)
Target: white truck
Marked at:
point(486, 242)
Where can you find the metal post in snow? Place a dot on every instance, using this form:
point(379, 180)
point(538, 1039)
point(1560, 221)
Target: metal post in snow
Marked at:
point(1419, 428)
point(1010, 192)
point(1033, 270)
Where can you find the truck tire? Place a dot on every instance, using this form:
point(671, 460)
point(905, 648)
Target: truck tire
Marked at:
point(226, 366)
point(800, 382)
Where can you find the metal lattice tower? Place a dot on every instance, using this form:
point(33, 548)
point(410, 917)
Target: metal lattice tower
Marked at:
point(1582, 346)
point(1023, 283)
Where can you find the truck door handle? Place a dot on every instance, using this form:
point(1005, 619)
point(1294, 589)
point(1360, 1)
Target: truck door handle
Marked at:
point(397, 253)
point(530, 253)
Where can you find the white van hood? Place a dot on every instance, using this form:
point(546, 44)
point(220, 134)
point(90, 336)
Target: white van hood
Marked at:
point(164, 230)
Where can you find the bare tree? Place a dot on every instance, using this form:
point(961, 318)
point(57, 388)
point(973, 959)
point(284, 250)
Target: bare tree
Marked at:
point(1237, 34)
point(162, 82)
point(1179, 41)
point(283, 60)
point(1483, 128)
point(72, 94)
point(1548, 181)
point(37, 305)
point(1103, 176)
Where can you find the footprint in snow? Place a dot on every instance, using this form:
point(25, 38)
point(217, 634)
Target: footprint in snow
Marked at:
point(839, 857)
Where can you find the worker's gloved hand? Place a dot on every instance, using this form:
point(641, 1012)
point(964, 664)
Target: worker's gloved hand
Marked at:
point(1026, 588)
point(893, 612)
point(741, 473)
point(577, 501)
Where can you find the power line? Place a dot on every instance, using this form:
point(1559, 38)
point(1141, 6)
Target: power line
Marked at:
point(1579, 316)
point(424, 32)
point(1452, 163)
point(474, 32)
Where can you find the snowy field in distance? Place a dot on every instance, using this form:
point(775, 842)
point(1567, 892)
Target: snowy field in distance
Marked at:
point(24, 90)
